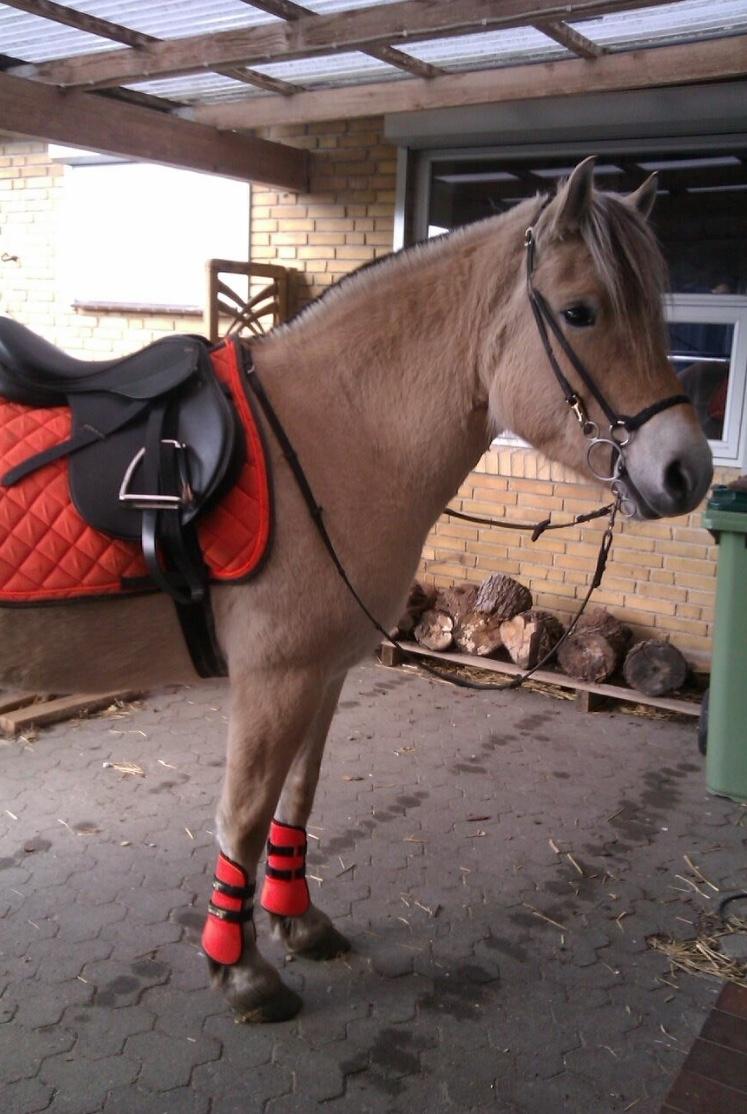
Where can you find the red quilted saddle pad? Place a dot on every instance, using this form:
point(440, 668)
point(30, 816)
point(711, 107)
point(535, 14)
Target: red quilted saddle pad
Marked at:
point(48, 552)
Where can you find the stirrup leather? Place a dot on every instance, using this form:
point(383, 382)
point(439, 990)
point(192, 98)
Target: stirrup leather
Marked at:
point(286, 891)
point(229, 909)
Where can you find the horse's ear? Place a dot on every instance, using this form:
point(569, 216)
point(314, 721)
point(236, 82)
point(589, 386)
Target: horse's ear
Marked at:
point(574, 198)
point(644, 197)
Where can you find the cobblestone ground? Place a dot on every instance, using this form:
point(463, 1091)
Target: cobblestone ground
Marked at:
point(491, 972)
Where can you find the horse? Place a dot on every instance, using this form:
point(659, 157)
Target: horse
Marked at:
point(390, 387)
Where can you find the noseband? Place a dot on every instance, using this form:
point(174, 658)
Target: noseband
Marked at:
point(621, 426)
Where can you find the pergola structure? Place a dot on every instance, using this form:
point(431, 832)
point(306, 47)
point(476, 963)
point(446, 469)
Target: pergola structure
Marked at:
point(186, 84)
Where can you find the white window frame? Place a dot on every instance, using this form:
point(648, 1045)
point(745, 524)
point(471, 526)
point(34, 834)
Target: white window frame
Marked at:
point(722, 309)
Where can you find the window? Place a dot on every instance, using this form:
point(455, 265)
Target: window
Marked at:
point(136, 235)
point(701, 221)
point(708, 347)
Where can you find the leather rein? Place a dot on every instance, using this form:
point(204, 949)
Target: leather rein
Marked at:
point(621, 429)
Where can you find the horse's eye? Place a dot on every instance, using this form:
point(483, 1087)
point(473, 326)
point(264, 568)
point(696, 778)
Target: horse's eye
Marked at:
point(580, 316)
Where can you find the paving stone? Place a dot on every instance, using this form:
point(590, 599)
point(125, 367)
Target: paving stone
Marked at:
point(482, 1006)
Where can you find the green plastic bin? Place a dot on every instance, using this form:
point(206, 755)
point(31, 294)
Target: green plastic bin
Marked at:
point(726, 755)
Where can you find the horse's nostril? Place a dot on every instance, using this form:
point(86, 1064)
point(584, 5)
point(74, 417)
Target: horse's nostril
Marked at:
point(677, 481)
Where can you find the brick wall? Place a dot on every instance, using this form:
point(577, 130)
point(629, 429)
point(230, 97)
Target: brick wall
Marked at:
point(661, 577)
point(31, 187)
point(347, 217)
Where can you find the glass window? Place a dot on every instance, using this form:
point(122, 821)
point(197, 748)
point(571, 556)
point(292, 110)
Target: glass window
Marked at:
point(700, 219)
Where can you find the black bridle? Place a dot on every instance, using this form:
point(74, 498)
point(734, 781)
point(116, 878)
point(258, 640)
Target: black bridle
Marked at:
point(621, 426)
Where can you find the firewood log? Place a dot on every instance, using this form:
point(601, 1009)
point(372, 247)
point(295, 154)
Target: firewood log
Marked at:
point(502, 597)
point(435, 630)
point(530, 636)
point(655, 667)
point(421, 598)
point(596, 648)
point(456, 601)
point(478, 634)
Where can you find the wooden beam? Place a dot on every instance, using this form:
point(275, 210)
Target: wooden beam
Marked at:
point(313, 35)
point(287, 9)
point(102, 124)
point(569, 38)
point(81, 21)
point(710, 60)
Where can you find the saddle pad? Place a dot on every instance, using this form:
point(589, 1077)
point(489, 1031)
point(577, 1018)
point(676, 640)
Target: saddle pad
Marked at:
point(49, 553)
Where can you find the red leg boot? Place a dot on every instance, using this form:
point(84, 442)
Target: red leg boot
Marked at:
point(286, 891)
point(223, 934)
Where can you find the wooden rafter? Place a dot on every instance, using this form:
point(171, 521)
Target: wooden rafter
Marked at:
point(287, 9)
point(569, 38)
point(116, 32)
point(103, 124)
point(710, 60)
point(314, 35)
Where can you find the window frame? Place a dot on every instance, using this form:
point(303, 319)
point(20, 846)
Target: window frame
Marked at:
point(731, 450)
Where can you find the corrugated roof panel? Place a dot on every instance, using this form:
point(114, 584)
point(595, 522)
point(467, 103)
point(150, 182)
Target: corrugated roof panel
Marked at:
point(491, 48)
point(203, 87)
point(666, 23)
point(329, 7)
point(38, 40)
point(167, 20)
point(33, 39)
point(332, 69)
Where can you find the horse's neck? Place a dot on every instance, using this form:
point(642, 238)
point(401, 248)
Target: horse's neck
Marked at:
point(388, 366)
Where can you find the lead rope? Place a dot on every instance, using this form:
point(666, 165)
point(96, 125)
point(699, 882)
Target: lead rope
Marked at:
point(316, 513)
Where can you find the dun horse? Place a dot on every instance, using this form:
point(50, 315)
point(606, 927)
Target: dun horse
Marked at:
point(390, 387)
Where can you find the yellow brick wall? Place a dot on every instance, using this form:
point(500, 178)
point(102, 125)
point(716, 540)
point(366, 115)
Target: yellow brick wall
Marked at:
point(660, 578)
point(347, 217)
point(661, 575)
point(31, 188)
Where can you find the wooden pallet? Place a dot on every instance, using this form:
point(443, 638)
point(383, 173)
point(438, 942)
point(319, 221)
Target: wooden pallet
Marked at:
point(23, 711)
point(590, 696)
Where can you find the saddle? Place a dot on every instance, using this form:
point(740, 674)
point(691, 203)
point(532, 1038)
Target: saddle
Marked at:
point(155, 441)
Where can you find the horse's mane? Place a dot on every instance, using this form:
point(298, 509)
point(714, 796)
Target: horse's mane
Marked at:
point(622, 245)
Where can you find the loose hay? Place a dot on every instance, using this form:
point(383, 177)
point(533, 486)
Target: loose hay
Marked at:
point(702, 955)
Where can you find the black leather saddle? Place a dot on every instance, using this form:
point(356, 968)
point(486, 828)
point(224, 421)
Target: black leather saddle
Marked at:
point(154, 441)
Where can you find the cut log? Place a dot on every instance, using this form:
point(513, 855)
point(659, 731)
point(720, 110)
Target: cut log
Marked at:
point(421, 598)
point(596, 648)
point(435, 630)
point(479, 634)
point(502, 597)
point(655, 667)
point(457, 601)
point(530, 636)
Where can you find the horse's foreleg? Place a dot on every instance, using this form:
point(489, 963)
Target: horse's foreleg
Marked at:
point(309, 932)
point(270, 717)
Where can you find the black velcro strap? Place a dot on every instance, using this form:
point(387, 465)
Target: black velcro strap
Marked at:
point(233, 916)
point(285, 875)
point(244, 892)
point(286, 852)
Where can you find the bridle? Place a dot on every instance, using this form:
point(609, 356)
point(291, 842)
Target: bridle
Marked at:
point(622, 427)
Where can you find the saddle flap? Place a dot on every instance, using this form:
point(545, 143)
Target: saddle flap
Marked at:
point(198, 417)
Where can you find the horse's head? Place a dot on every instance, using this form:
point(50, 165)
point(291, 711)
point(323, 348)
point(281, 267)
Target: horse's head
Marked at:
point(584, 354)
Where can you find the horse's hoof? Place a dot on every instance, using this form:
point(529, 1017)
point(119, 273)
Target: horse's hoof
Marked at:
point(283, 1005)
point(329, 945)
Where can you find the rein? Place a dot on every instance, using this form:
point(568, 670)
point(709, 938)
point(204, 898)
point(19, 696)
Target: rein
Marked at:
point(621, 430)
